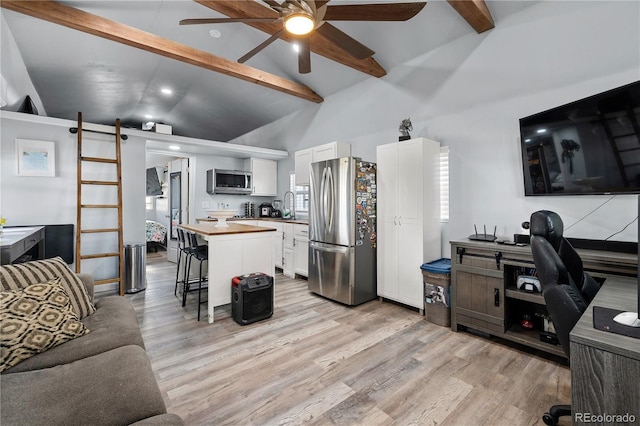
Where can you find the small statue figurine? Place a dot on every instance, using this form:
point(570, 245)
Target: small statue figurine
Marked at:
point(405, 127)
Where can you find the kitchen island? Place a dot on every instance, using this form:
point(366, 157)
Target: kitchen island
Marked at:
point(234, 250)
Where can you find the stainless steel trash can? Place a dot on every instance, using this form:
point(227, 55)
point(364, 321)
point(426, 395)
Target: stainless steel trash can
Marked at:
point(135, 277)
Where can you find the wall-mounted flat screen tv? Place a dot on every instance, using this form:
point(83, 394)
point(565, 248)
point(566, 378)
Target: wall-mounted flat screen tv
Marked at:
point(590, 146)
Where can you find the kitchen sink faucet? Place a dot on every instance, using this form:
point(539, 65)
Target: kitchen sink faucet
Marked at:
point(293, 204)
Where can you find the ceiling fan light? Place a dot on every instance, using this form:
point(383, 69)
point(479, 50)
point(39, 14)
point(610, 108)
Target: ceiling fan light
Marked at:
point(299, 23)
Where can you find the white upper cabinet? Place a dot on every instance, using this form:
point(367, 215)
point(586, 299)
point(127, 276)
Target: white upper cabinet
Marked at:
point(328, 151)
point(303, 159)
point(265, 176)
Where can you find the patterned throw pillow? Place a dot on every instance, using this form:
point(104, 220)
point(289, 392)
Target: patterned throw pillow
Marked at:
point(35, 319)
point(19, 276)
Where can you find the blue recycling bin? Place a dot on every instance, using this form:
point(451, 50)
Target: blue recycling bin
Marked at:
point(436, 278)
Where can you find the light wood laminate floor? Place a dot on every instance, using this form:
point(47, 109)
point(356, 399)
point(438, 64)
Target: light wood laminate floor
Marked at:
point(316, 362)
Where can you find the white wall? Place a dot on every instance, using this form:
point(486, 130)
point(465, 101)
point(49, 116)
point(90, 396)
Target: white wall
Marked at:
point(46, 200)
point(15, 83)
point(469, 95)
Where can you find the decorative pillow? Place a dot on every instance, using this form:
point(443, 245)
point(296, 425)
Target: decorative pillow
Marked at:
point(19, 276)
point(35, 319)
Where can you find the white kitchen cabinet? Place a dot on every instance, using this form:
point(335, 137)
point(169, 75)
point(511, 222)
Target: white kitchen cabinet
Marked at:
point(277, 246)
point(331, 150)
point(301, 249)
point(288, 252)
point(303, 160)
point(328, 151)
point(408, 210)
point(265, 176)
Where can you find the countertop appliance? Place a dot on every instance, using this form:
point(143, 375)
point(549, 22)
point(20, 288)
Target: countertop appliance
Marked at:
point(265, 210)
point(277, 208)
point(342, 230)
point(229, 182)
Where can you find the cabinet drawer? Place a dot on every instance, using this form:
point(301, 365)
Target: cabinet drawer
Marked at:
point(31, 241)
point(271, 224)
point(480, 324)
point(301, 232)
point(484, 259)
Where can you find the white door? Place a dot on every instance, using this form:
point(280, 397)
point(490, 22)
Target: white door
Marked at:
point(265, 177)
point(387, 264)
point(301, 249)
point(387, 246)
point(324, 152)
point(410, 182)
point(409, 258)
point(303, 160)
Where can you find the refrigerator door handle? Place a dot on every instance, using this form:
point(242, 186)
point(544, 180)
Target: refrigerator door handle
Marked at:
point(328, 247)
point(323, 199)
point(331, 196)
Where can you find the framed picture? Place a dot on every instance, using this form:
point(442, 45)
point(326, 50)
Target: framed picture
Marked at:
point(35, 158)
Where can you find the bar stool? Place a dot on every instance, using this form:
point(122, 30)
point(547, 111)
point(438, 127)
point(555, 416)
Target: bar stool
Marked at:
point(201, 254)
point(186, 254)
point(183, 250)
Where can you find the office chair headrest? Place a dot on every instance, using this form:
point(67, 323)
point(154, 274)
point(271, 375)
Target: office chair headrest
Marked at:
point(547, 224)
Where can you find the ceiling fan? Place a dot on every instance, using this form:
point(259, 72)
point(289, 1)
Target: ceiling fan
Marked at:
point(300, 18)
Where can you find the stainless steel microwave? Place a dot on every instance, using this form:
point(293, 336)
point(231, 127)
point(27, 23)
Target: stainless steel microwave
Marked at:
point(229, 182)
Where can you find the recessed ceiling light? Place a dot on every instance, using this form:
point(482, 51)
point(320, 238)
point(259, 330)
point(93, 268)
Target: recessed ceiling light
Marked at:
point(174, 147)
point(215, 33)
point(148, 116)
point(166, 91)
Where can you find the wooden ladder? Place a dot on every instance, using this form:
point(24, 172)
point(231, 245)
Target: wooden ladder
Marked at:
point(112, 207)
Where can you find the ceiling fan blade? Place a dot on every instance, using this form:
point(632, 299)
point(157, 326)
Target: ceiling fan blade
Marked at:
point(261, 46)
point(198, 21)
point(373, 12)
point(274, 4)
point(304, 55)
point(350, 45)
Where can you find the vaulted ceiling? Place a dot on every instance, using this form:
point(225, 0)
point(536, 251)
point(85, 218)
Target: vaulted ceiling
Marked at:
point(111, 59)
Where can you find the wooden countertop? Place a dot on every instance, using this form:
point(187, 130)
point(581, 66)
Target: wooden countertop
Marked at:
point(209, 229)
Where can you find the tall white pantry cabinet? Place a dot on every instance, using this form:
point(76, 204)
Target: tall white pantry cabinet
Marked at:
point(408, 213)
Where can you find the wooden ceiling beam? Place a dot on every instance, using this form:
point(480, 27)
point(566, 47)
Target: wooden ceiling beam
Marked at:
point(475, 12)
point(76, 19)
point(318, 43)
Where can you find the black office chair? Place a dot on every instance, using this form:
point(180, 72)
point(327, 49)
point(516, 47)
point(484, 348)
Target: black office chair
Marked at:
point(566, 288)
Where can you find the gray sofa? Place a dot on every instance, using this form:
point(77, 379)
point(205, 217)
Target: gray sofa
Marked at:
point(101, 378)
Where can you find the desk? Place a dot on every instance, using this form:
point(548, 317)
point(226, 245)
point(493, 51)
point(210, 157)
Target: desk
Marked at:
point(16, 241)
point(484, 295)
point(234, 250)
point(605, 367)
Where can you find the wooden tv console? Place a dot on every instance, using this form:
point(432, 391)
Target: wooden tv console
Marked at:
point(484, 295)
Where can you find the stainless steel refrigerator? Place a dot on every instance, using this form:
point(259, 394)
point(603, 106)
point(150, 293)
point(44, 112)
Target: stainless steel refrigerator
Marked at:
point(342, 230)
